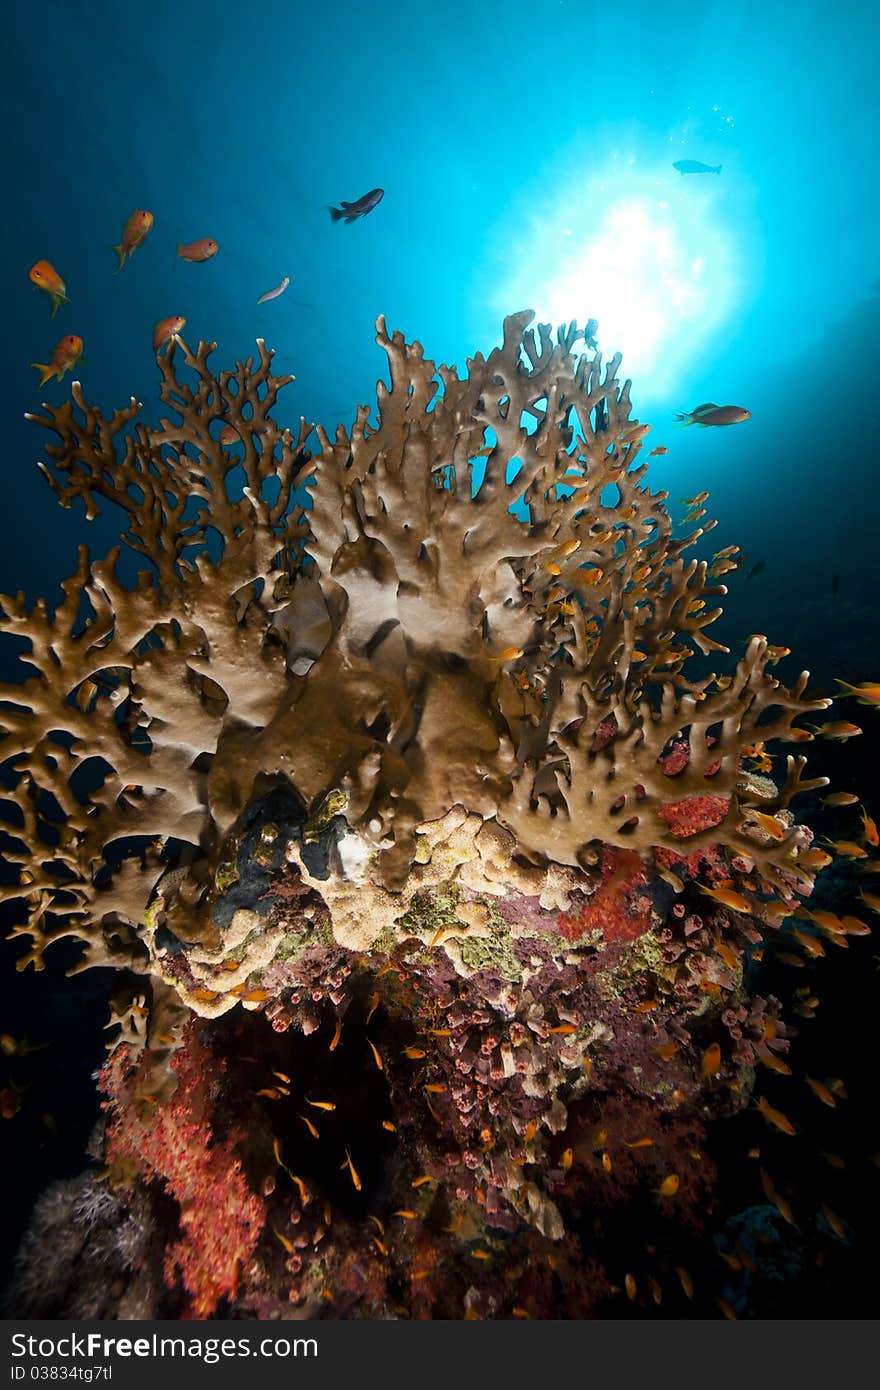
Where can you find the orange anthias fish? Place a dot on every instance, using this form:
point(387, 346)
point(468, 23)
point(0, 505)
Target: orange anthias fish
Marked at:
point(133, 234)
point(848, 849)
point(46, 278)
point(821, 1091)
point(634, 433)
point(868, 693)
point(669, 1186)
point(166, 329)
point(838, 729)
point(711, 1064)
point(65, 356)
point(775, 1198)
point(661, 449)
point(869, 829)
point(352, 1171)
point(769, 824)
point(201, 250)
point(711, 414)
point(727, 897)
point(775, 1117)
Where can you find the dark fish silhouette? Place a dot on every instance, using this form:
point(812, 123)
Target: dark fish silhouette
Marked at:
point(755, 570)
point(693, 166)
point(712, 414)
point(350, 211)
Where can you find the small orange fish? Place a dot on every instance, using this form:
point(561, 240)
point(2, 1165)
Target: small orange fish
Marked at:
point(167, 329)
point(726, 1309)
point(334, 1041)
point(440, 1032)
point(479, 1254)
point(853, 925)
point(563, 1029)
point(634, 434)
point(229, 435)
point(374, 1004)
point(567, 1159)
point(638, 1143)
point(811, 944)
point(510, 654)
point(669, 1186)
point(769, 824)
point(727, 897)
point(847, 849)
point(686, 1281)
point(530, 1131)
point(201, 250)
point(711, 1063)
point(834, 1221)
point(839, 729)
point(727, 954)
point(380, 1246)
point(868, 693)
point(775, 1117)
point(872, 837)
point(821, 1091)
point(420, 1182)
point(435, 1088)
point(304, 1195)
point(647, 1006)
point(352, 1170)
point(775, 1198)
point(606, 1162)
point(769, 1059)
point(288, 1244)
point(667, 1050)
point(415, 1054)
point(205, 996)
point(630, 1284)
point(321, 1104)
point(839, 799)
point(406, 1215)
point(660, 449)
point(310, 1127)
point(65, 355)
point(282, 1076)
point(44, 275)
point(375, 1051)
point(391, 1128)
point(134, 233)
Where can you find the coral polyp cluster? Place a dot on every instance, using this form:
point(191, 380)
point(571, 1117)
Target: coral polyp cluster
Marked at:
point(387, 780)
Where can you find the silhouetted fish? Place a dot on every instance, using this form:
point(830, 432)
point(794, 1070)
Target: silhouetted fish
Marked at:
point(755, 570)
point(693, 166)
point(349, 211)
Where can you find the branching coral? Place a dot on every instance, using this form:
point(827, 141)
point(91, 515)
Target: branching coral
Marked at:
point(408, 643)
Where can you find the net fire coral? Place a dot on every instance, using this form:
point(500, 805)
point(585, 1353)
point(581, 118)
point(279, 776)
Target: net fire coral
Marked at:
point(406, 643)
point(389, 766)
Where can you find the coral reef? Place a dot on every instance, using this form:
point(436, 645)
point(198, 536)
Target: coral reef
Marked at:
point(430, 876)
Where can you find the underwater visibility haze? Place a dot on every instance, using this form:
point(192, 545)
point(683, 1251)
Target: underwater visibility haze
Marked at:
point(417, 901)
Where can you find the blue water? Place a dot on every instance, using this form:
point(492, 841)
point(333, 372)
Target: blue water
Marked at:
point(526, 155)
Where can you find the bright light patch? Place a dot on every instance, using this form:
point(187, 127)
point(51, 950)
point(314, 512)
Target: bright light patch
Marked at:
point(659, 273)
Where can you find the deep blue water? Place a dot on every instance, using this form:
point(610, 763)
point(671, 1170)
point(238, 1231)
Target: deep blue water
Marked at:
point(526, 154)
